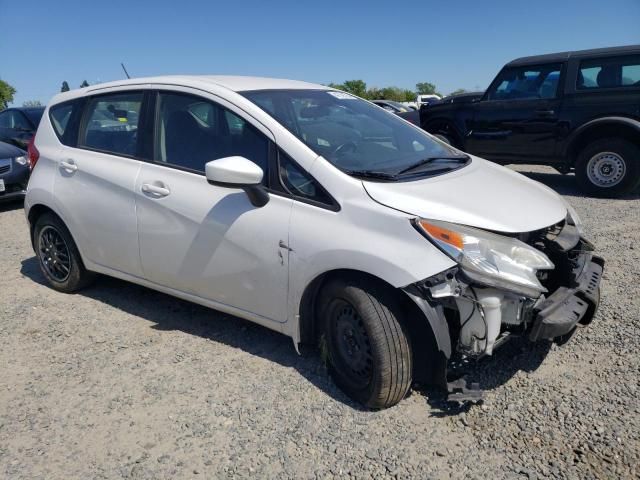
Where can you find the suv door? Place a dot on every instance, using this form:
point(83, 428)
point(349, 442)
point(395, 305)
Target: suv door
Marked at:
point(518, 116)
point(94, 184)
point(206, 240)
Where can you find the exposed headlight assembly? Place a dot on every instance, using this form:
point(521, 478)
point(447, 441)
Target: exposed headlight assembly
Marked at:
point(21, 160)
point(488, 258)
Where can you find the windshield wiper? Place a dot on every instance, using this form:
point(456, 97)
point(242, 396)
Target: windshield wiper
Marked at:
point(424, 161)
point(371, 174)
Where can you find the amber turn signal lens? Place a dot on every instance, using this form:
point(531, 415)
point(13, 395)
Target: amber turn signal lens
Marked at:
point(447, 236)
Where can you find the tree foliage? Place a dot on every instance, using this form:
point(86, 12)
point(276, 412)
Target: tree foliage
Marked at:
point(426, 88)
point(84, 84)
point(359, 88)
point(31, 103)
point(6, 94)
point(65, 87)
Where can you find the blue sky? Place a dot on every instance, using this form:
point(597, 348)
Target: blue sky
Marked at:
point(452, 43)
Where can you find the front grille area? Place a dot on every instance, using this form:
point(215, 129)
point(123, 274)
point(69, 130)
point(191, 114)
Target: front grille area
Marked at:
point(4, 169)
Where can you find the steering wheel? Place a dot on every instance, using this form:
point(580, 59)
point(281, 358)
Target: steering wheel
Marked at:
point(345, 147)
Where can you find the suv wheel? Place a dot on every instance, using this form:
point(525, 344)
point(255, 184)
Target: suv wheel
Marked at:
point(608, 167)
point(58, 255)
point(368, 350)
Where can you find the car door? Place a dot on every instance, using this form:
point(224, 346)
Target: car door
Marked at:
point(207, 240)
point(95, 179)
point(518, 117)
point(15, 128)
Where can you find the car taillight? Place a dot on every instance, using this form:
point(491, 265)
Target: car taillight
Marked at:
point(32, 153)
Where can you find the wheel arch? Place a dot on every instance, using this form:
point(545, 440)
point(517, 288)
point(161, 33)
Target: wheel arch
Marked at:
point(606, 127)
point(435, 125)
point(427, 324)
point(39, 209)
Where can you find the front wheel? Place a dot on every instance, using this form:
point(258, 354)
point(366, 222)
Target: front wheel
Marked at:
point(608, 167)
point(368, 349)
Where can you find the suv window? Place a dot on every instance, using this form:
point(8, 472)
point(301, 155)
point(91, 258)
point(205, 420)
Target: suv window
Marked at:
point(526, 83)
point(299, 183)
point(15, 120)
point(192, 131)
point(111, 123)
point(609, 72)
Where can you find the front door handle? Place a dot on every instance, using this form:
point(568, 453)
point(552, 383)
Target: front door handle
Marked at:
point(69, 166)
point(545, 113)
point(155, 190)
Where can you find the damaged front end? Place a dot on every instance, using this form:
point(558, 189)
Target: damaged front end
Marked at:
point(540, 284)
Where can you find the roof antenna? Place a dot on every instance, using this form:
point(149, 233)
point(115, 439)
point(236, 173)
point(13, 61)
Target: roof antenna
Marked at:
point(125, 70)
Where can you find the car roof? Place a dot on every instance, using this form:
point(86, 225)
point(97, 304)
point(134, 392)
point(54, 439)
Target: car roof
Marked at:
point(233, 83)
point(564, 56)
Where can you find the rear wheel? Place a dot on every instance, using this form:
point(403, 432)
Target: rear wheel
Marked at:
point(58, 255)
point(368, 349)
point(608, 167)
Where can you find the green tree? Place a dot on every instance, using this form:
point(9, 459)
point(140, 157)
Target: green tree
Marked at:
point(84, 84)
point(6, 94)
point(355, 87)
point(65, 87)
point(32, 103)
point(409, 95)
point(426, 88)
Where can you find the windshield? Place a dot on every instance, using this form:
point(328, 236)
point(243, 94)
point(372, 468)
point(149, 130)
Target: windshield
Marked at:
point(356, 136)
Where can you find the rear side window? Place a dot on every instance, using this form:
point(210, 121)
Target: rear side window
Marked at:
point(111, 123)
point(192, 131)
point(60, 115)
point(612, 72)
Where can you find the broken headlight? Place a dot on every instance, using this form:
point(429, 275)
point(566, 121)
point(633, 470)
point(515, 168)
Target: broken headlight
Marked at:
point(490, 259)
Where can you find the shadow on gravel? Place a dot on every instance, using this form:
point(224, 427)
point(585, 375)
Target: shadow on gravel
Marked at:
point(7, 206)
point(566, 184)
point(168, 313)
point(519, 354)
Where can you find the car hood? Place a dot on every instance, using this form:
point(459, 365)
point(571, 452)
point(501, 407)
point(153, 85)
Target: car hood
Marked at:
point(482, 195)
point(8, 151)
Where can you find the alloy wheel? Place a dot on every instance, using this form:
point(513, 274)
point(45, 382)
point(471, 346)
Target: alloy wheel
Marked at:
point(54, 254)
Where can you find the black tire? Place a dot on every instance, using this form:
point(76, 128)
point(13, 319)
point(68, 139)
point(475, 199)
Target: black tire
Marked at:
point(58, 256)
point(609, 167)
point(368, 350)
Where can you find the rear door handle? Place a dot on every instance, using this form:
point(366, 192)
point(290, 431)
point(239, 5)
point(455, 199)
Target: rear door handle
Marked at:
point(545, 113)
point(69, 166)
point(155, 190)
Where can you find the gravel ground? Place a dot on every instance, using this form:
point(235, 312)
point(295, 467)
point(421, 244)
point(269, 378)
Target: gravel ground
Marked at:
point(123, 382)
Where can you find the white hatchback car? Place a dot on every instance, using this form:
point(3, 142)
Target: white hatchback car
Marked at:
point(311, 212)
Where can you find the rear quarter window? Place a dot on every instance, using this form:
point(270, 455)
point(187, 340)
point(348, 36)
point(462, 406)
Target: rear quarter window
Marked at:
point(609, 72)
point(60, 116)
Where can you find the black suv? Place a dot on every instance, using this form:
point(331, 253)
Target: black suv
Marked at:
point(575, 111)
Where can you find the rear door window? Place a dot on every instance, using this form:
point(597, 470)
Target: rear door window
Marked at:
point(611, 72)
point(111, 123)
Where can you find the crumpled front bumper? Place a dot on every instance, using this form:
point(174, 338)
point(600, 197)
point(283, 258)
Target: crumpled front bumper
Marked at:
point(567, 307)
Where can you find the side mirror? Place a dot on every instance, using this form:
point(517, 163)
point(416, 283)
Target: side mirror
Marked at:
point(238, 172)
